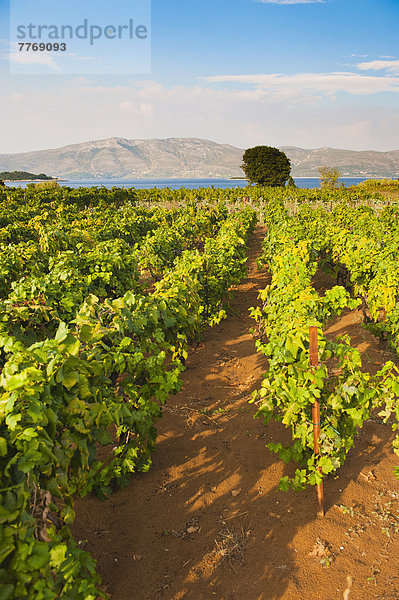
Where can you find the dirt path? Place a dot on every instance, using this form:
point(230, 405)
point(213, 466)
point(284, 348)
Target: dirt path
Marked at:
point(208, 522)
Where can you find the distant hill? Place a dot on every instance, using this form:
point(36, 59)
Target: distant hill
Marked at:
point(121, 158)
point(186, 157)
point(351, 163)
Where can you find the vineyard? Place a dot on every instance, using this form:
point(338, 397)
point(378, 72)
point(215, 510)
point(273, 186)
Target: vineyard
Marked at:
point(111, 303)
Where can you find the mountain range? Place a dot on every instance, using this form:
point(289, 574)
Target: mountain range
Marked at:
point(186, 158)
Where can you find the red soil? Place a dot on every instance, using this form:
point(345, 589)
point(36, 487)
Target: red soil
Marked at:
point(208, 522)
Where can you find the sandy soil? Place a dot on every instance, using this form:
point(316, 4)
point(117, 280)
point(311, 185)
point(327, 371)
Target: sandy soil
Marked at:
point(208, 522)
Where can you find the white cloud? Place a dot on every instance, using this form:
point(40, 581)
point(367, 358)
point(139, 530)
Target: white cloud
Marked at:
point(390, 66)
point(134, 108)
point(291, 1)
point(74, 56)
point(313, 83)
point(32, 58)
point(242, 116)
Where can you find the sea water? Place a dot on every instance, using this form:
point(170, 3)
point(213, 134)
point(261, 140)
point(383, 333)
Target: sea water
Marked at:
point(174, 184)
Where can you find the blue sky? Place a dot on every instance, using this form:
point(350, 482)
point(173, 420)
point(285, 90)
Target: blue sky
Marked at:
point(309, 74)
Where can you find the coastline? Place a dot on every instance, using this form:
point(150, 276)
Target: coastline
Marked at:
point(31, 180)
point(175, 183)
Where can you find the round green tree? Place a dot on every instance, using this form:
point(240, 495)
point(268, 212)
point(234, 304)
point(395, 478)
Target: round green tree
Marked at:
point(265, 165)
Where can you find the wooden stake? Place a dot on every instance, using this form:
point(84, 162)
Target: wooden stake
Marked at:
point(314, 361)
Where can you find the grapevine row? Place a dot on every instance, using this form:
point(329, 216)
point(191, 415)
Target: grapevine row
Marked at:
point(290, 304)
point(99, 381)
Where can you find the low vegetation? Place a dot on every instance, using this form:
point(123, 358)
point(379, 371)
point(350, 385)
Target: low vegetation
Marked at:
point(22, 176)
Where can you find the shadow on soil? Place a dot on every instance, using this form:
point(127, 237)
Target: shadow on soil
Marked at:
point(207, 521)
